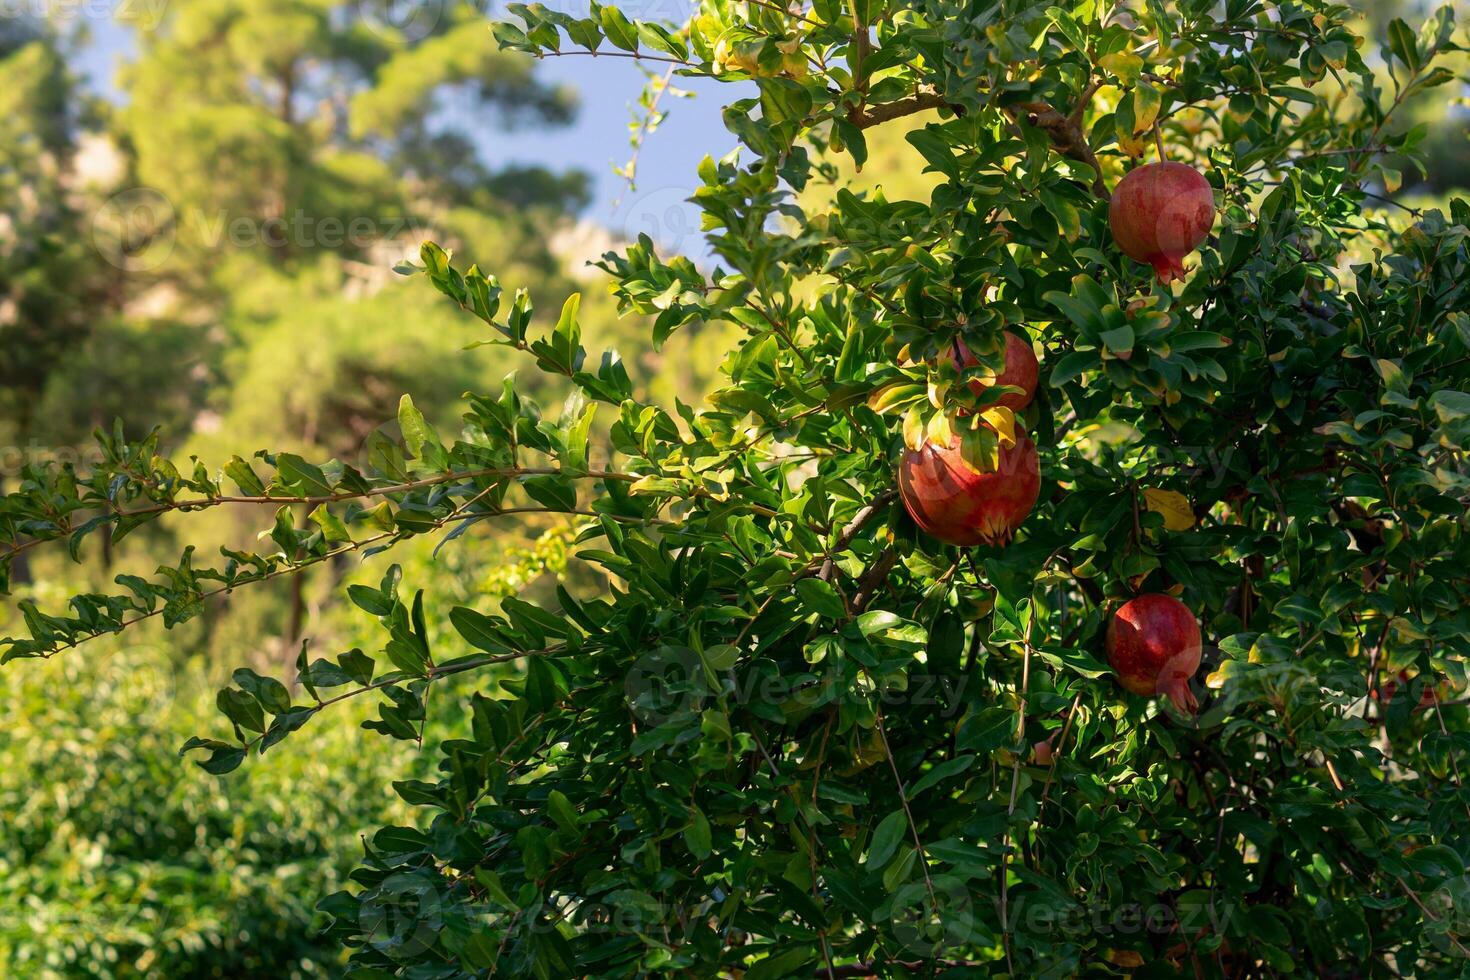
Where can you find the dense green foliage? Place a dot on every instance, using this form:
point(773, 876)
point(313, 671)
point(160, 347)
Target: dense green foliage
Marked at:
point(111, 866)
point(787, 734)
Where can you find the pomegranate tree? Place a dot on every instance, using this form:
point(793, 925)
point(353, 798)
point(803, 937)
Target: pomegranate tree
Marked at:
point(751, 731)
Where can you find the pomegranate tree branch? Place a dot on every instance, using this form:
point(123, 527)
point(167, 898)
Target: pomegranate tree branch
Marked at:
point(903, 798)
point(1066, 135)
point(204, 503)
point(391, 537)
point(884, 969)
point(864, 117)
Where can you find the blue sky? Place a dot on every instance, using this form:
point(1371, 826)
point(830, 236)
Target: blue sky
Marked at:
point(595, 143)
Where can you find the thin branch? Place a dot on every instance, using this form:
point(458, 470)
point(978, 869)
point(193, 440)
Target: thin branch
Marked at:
point(1005, 855)
point(205, 503)
point(389, 536)
point(645, 127)
point(634, 55)
point(904, 799)
point(1056, 753)
point(434, 673)
point(864, 117)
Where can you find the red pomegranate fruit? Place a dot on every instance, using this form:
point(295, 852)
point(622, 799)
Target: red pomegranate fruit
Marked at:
point(955, 501)
point(1021, 371)
point(1159, 213)
point(1154, 645)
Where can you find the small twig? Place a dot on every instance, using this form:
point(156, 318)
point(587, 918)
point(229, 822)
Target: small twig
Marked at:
point(634, 55)
point(1005, 854)
point(1454, 762)
point(1056, 752)
point(904, 799)
point(645, 127)
point(1414, 897)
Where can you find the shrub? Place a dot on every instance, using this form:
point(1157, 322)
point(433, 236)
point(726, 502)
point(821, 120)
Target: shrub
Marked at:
point(115, 862)
point(795, 735)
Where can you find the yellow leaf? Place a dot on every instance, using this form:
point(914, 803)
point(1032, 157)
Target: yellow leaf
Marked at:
point(1130, 144)
point(898, 395)
point(1125, 64)
point(1124, 957)
point(1177, 514)
point(1003, 421)
point(913, 429)
point(1146, 103)
point(939, 431)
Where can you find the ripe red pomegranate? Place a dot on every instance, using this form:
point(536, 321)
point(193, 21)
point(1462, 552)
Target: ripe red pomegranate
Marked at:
point(957, 502)
point(1154, 645)
point(1159, 213)
point(1021, 370)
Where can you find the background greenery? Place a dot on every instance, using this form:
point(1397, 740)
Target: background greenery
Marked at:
point(116, 857)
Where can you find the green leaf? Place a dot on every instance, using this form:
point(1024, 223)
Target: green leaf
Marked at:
point(302, 478)
point(544, 684)
point(782, 964)
point(1118, 340)
point(562, 811)
point(986, 730)
point(1451, 406)
point(419, 437)
point(658, 38)
point(940, 773)
point(1070, 367)
point(245, 477)
point(223, 757)
point(271, 693)
point(619, 30)
point(886, 838)
point(821, 598)
point(697, 836)
point(935, 149)
point(722, 656)
point(333, 530)
point(482, 632)
point(1402, 43)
